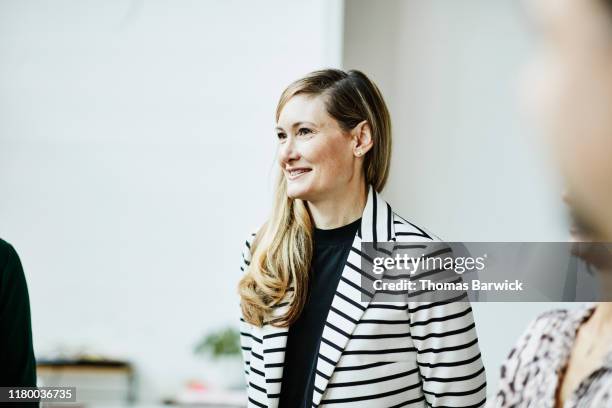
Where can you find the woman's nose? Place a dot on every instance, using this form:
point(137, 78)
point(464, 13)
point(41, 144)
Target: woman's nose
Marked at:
point(288, 151)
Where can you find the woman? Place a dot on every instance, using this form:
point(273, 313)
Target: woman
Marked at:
point(564, 358)
point(308, 338)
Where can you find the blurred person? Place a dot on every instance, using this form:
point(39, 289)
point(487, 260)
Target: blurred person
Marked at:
point(17, 362)
point(308, 338)
point(568, 89)
point(564, 358)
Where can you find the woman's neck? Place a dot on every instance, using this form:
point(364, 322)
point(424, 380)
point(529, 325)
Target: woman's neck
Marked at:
point(340, 209)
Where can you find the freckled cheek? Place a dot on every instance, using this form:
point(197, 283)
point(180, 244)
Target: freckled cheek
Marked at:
point(329, 159)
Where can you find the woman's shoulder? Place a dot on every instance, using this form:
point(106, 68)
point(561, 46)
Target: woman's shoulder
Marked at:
point(561, 318)
point(247, 245)
point(248, 240)
point(547, 322)
point(553, 316)
point(407, 230)
point(531, 361)
point(549, 329)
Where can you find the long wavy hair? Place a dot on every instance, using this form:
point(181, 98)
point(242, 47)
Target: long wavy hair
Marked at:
point(281, 252)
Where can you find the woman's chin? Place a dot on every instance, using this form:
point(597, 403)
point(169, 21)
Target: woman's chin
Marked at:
point(296, 191)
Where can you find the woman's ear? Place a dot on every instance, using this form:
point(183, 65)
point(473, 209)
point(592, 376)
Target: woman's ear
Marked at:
point(362, 136)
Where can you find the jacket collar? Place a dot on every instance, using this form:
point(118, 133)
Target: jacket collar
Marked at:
point(377, 219)
point(376, 226)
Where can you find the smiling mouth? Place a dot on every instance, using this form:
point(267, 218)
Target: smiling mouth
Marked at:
point(295, 173)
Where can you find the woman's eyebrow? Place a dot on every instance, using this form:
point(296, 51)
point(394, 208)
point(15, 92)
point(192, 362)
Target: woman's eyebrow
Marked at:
point(296, 125)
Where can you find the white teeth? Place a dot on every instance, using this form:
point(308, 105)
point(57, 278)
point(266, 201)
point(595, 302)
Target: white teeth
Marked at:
point(295, 173)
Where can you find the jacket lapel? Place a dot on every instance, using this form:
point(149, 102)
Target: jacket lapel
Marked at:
point(350, 301)
point(274, 341)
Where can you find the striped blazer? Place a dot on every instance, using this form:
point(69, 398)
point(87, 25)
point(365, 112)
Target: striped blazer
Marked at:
point(375, 354)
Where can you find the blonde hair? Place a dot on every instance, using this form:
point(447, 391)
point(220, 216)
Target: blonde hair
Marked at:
point(282, 249)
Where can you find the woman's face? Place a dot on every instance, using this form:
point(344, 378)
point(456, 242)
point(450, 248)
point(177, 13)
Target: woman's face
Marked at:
point(314, 153)
point(569, 90)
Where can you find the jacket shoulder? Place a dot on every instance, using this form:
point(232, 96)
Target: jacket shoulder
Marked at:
point(247, 246)
point(248, 242)
point(408, 231)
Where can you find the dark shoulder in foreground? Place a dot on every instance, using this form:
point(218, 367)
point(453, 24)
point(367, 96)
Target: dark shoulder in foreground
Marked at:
point(6, 251)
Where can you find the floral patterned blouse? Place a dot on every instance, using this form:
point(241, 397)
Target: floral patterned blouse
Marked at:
point(531, 372)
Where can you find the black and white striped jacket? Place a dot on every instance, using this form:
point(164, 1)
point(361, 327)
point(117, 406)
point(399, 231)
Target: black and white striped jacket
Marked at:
point(375, 354)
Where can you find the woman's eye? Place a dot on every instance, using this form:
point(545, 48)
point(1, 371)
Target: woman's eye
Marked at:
point(304, 131)
point(281, 136)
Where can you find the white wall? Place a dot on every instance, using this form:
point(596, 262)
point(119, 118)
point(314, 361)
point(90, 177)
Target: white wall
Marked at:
point(473, 168)
point(136, 148)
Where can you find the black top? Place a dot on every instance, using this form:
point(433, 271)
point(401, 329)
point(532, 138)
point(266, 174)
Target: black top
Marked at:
point(330, 251)
point(17, 364)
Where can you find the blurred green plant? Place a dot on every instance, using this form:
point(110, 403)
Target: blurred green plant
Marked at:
point(220, 343)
